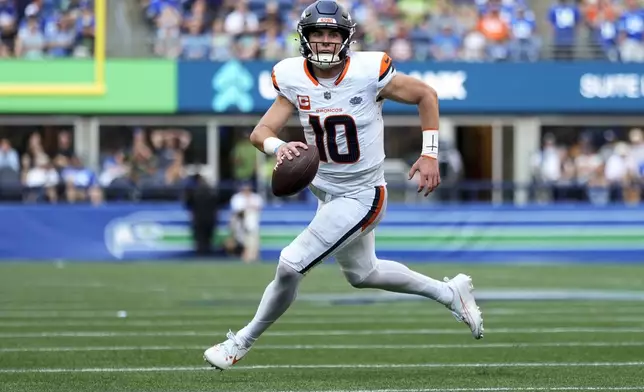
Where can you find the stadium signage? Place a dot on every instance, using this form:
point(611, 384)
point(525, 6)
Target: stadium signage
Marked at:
point(627, 85)
point(463, 88)
point(130, 86)
point(449, 85)
point(156, 231)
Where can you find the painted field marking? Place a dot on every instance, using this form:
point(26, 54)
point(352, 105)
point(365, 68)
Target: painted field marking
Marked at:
point(326, 347)
point(330, 332)
point(327, 366)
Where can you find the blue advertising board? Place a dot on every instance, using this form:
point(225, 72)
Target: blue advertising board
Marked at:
point(463, 88)
point(453, 233)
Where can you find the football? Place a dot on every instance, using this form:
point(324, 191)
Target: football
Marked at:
point(293, 176)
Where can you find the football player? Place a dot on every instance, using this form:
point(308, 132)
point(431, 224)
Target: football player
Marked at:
point(339, 96)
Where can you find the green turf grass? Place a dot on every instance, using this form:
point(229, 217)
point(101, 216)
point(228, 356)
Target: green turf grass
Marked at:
point(60, 331)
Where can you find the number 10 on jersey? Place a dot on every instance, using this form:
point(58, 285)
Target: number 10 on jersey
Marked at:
point(330, 132)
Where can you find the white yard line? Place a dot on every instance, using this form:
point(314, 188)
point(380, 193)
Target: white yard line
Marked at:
point(330, 366)
point(327, 347)
point(289, 320)
point(321, 311)
point(330, 332)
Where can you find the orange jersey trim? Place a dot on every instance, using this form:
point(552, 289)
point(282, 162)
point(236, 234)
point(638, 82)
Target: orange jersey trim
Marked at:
point(385, 66)
point(376, 213)
point(344, 71)
point(308, 73)
point(277, 87)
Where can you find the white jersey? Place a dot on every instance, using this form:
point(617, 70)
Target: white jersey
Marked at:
point(342, 117)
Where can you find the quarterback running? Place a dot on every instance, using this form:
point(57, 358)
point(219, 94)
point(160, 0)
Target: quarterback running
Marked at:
point(339, 95)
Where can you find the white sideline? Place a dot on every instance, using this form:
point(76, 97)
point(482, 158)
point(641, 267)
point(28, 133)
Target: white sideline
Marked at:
point(331, 332)
point(328, 366)
point(327, 347)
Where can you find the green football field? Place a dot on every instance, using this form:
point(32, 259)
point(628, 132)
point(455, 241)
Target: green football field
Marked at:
point(548, 328)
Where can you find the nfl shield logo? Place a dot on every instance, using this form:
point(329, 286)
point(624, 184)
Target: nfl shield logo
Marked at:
point(327, 95)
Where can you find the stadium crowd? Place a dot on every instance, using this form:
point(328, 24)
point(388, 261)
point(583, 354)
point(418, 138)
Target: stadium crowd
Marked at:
point(599, 167)
point(436, 30)
point(37, 29)
point(51, 172)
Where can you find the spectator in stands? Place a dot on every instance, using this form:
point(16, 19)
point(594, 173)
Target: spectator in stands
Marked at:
point(81, 183)
point(419, 36)
point(601, 18)
point(588, 166)
point(8, 156)
point(241, 20)
point(144, 169)
point(631, 33)
point(444, 16)
point(466, 18)
point(496, 32)
point(196, 14)
point(620, 171)
point(85, 26)
point(221, 45)
point(272, 43)
point(379, 41)
point(41, 181)
point(272, 17)
point(30, 43)
point(168, 35)
point(547, 169)
point(565, 18)
point(195, 44)
point(525, 43)
point(169, 147)
point(608, 144)
point(401, 49)
point(115, 171)
point(474, 44)
point(8, 19)
point(247, 46)
point(61, 37)
point(65, 151)
point(34, 152)
point(446, 45)
point(636, 137)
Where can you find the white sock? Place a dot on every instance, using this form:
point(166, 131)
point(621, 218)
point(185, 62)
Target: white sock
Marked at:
point(393, 276)
point(278, 296)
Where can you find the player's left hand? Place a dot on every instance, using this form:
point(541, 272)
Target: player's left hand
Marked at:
point(429, 175)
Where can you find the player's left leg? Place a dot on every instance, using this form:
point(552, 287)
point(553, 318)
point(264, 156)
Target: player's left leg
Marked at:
point(363, 269)
point(337, 222)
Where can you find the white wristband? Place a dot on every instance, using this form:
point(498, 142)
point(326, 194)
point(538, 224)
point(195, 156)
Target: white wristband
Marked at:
point(271, 144)
point(430, 144)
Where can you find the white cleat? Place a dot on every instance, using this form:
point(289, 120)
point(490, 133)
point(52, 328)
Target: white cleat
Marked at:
point(464, 306)
point(224, 355)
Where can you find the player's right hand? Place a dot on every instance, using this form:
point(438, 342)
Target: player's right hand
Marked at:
point(288, 150)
